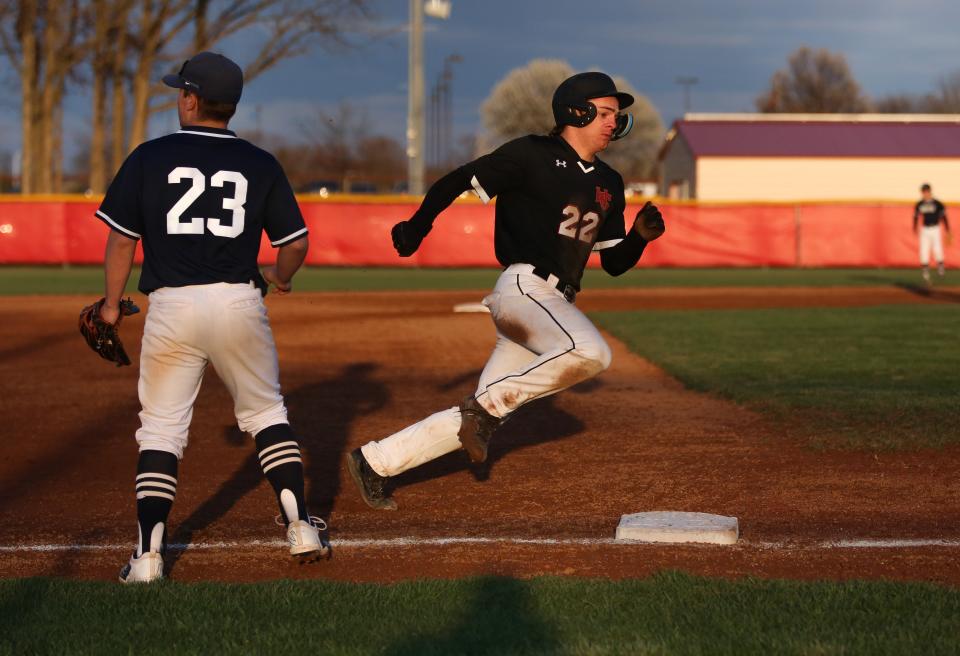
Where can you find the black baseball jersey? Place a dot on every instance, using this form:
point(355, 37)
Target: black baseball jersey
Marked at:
point(200, 198)
point(931, 210)
point(552, 207)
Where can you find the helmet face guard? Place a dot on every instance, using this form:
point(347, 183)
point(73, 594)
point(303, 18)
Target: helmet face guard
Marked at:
point(624, 125)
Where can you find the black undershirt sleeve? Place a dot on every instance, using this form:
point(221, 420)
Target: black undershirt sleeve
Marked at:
point(625, 255)
point(439, 197)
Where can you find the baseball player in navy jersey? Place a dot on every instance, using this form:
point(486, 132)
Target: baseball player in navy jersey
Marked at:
point(199, 200)
point(556, 203)
point(932, 212)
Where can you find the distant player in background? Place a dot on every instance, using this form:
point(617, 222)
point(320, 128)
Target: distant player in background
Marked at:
point(556, 203)
point(933, 212)
point(200, 199)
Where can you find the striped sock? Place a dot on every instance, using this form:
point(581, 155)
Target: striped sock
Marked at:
point(283, 466)
point(156, 490)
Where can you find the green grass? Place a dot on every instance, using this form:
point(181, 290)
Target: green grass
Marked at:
point(89, 279)
point(877, 377)
point(667, 614)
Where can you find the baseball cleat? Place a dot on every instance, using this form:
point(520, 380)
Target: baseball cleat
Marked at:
point(306, 542)
point(145, 569)
point(476, 428)
point(373, 487)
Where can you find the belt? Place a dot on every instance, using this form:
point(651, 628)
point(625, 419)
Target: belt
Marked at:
point(569, 291)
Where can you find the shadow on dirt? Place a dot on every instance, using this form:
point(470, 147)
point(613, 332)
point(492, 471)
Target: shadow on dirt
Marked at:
point(321, 414)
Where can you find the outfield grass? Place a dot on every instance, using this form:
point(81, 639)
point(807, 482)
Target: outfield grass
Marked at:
point(875, 377)
point(89, 279)
point(667, 614)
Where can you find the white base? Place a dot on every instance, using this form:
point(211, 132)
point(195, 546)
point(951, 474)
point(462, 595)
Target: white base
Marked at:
point(670, 526)
point(470, 307)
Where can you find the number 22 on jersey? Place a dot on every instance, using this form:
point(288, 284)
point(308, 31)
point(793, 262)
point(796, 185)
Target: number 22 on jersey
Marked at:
point(195, 225)
point(575, 228)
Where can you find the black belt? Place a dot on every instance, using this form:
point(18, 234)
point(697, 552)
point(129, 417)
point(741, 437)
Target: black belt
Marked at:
point(569, 291)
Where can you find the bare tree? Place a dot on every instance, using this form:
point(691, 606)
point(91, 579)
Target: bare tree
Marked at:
point(815, 81)
point(946, 96)
point(520, 104)
point(44, 42)
point(126, 44)
point(900, 103)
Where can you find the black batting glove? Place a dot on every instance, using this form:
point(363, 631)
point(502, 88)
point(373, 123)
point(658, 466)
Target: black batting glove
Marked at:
point(407, 238)
point(649, 222)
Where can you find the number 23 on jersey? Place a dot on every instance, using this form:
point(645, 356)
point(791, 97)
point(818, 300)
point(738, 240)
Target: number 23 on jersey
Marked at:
point(195, 225)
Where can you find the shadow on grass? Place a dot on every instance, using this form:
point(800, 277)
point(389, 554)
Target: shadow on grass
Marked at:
point(500, 618)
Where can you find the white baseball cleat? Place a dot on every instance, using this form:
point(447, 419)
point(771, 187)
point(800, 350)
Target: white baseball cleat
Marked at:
point(305, 540)
point(145, 569)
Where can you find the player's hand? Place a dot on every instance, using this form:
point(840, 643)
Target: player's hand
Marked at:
point(649, 222)
point(109, 314)
point(270, 275)
point(407, 237)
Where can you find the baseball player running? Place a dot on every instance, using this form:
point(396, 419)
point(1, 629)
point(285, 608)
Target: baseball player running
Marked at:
point(556, 203)
point(932, 212)
point(199, 200)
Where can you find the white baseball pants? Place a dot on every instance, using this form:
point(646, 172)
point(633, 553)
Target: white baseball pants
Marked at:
point(187, 327)
point(544, 345)
point(930, 239)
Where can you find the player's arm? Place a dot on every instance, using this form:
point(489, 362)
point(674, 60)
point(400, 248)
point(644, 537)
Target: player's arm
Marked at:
point(487, 175)
point(407, 235)
point(290, 257)
point(647, 226)
point(117, 263)
point(916, 216)
point(943, 215)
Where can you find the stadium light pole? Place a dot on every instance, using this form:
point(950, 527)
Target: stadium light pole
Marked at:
point(415, 100)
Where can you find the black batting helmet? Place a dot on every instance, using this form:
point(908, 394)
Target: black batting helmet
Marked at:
point(572, 106)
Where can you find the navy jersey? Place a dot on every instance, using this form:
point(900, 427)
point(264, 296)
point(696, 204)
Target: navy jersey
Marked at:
point(200, 199)
point(552, 207)
point(931, 210)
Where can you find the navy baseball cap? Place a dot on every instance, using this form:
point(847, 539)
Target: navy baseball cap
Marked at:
point(211, 76)
point(586, 86)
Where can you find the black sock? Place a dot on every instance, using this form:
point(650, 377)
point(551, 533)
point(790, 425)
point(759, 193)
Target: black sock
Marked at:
point(282, 465)
point(156, 490)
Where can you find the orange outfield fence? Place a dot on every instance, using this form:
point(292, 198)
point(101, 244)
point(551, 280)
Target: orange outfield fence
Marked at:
point(356, 232)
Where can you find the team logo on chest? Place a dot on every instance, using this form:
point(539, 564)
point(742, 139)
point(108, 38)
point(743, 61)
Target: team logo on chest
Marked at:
point(603, 198)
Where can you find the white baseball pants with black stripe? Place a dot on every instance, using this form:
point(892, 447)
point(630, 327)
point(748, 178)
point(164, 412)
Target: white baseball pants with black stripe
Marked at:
point(187, 327)
point(544, 345)
point(931, 240)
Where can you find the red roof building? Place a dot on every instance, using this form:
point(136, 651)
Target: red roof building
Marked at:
point(811, 156)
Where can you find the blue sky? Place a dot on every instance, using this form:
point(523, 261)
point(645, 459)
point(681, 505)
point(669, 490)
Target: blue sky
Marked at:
point(732, 46)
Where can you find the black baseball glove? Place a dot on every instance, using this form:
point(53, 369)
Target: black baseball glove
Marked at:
point(649, 222)
point(407, 237)
point(103, 337)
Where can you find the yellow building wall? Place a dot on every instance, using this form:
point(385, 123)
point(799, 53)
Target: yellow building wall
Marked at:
point(825, 178)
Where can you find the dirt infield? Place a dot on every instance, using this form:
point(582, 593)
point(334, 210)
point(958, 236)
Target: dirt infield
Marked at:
point(360, 366)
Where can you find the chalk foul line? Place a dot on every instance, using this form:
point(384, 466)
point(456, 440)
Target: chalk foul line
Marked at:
point(387, 543)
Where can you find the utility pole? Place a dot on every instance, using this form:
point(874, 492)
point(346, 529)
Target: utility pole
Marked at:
point(415, 121)
point(686, 82)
